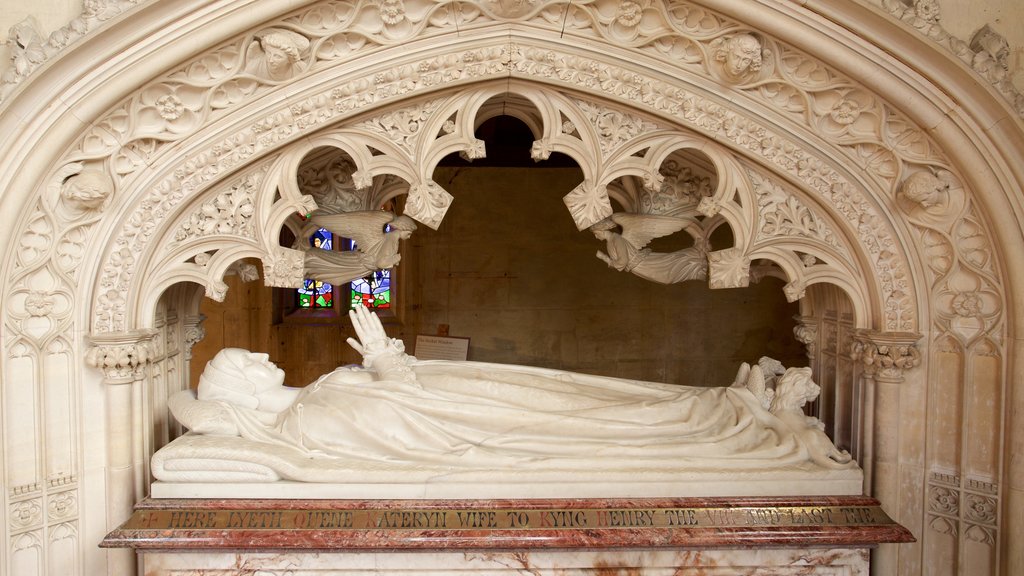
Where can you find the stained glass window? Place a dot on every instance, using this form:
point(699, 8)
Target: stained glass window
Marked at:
point(316, 295)
point(372, 291)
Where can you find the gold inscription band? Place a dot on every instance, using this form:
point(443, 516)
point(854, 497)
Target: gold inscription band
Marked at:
point(507, 519)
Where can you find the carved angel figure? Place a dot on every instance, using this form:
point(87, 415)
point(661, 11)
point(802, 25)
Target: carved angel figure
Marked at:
point(276, 54)
point(627, 250)
point(376, 235)
point(760, 379)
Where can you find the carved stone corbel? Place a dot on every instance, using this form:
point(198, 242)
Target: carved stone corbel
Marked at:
point(806, 333)
point(886, 356)
point(121, 356)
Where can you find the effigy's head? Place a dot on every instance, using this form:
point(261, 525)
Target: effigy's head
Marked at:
point(239, 377)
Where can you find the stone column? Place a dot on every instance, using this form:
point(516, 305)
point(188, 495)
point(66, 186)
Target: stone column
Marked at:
point(806, 333)
point(194, 333)
point(883, 358)
point(123, 358)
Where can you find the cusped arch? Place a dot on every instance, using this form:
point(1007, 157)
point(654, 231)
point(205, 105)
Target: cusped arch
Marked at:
point(975, 137)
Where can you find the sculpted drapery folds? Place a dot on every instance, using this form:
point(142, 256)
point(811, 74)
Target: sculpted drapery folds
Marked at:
point(437, 417)
point(128, 151)
point(376, 235)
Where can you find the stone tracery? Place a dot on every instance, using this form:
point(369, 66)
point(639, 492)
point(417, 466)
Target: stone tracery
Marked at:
point(870, 135)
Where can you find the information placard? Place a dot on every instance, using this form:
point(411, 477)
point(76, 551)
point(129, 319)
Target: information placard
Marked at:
point(441, 348)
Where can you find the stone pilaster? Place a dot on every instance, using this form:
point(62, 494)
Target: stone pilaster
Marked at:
point(884, 359)
point(123, 358)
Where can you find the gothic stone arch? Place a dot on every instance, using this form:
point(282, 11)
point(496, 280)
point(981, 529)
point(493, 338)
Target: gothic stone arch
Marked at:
point(114, 177)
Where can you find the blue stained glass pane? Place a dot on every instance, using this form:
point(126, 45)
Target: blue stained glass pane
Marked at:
point(373, 291)
point(316, 294)
point(322, 238)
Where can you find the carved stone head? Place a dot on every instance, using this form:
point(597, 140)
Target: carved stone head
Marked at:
point(280, 54)
point(794, 389)
point(925, 189)
point(991, 42)
point(87, 190)
point(739, 55)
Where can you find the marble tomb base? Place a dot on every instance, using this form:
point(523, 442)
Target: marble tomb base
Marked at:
point(722, 536)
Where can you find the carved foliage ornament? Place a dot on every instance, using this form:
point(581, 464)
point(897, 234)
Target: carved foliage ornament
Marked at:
point(285, 268)
point(230, 212)
point(782, 214)
point(689, 26)
point(729, 268)
point(428, 202)
point(121, 357)
point(886, 356)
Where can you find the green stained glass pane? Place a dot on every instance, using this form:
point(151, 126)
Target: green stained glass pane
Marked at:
point(315, 294)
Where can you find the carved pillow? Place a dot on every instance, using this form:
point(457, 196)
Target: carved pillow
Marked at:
point(202, 416)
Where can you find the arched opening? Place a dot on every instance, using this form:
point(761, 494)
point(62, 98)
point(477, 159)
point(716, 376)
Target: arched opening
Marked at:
point(932, 115)
point(508, 269)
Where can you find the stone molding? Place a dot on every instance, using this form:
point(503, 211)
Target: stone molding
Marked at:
point(886, 356)
point(122, 357)
point(47, 277)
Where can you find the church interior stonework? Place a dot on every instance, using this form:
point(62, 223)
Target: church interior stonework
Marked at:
point(608, 192)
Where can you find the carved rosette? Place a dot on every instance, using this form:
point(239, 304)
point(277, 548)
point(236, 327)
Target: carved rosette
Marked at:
point(121, 356)
point(588, 204)
point(729, 268)
point(968, 509)
point(886, 356)
point(284, 268)
point(428, 203)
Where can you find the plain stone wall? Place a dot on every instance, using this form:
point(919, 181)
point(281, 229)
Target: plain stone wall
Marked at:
point(508, 269)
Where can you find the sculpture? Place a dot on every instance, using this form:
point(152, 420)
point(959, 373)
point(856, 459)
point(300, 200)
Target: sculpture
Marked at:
point(627, 251)
point(794, 389)
point(738, 56)
point(276, 54)
point(430, 418)
point(376, 234)
point(925, 189)
point(87, 190)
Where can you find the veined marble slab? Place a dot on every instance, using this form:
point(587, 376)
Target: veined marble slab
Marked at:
point(419, 525)
point(778, 562)
point(816, 535)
